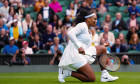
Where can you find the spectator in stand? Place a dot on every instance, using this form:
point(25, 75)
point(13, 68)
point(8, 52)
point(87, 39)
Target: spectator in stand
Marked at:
point(48, 34)
point(67, 21)
point(105, 36)
point(15, 3)
point(133, 21)
point(46, 11)
point(27, 3)
point(83, 6)
point(42, 26)
point(57, 28)
point(48, 45)
point(103, 42)
point(11, 48)
point(3, 26)
point(56, 58)
point(122, 39)
point(102, 7)
point(38, 5)
point(53, 21)
point(19, 41)
point(27, 49)
point(36, 44)
point(9, 24)
point(118, 47)
point(63, 38)
point(126, 60)
point(27, 24)
point(119, 24)
point(95, 37)
point(138, 47)
point(138, 3)
point(131, 31)
point(134, 41)
point(56, 46)
point(33, 33)
point(20, 12)
point(55, 6)
point(15, 31)
point(4, 11)
point(4, 40)
point(107, 22)
point(76, 4)
point(120, 3)
point(19, 21)
point(91, 3)
point(11, 13)
point(71, 11)
point(111, 37)
point(1, 3)
point(34, 25)
point(39, 19)
point(134, 8)
point(110, 2)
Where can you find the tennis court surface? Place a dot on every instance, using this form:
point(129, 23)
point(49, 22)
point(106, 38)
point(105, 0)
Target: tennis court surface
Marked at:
point(51, 78)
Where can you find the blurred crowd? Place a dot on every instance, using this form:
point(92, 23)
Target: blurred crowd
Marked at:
point(40, 26)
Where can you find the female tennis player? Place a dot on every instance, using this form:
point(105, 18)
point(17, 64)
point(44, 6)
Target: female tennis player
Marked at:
point(74, 62)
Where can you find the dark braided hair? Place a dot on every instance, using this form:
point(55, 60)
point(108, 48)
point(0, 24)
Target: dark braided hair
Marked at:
point(81, 15)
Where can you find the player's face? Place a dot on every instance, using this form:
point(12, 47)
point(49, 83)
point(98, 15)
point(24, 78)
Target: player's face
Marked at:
point(93, 21)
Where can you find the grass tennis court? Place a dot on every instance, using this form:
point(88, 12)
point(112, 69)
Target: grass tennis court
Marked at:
point(51, 78)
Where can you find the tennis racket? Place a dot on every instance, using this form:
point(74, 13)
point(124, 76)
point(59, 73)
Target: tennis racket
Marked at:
point(108, 61)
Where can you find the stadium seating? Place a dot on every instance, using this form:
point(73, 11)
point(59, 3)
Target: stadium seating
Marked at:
point(124, 14)
point(122, 9)
point(98, 32)
point(126, 18)
point(113, 9)
point(115, 34)
point(110, 13)
point(138, 18)
point(29, 10)
point(61, 15)
point(1, 51)
point(133, 51)
point(26, 39)
point(42, 51)
point(97, 2)
point(33, 15)
point(113, 18)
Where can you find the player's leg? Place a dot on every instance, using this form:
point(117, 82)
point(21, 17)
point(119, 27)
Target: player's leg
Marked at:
point(100, 50)
point(85, 74)
point(105, 77)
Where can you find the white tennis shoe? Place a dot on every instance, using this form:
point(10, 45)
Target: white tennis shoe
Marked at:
point(106, 77)
point(63, 74)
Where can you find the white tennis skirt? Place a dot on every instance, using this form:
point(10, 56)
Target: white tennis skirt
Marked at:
point(72, 59)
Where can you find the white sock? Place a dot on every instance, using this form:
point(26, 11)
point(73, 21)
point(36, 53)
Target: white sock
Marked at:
point(70, 72)
point(104, 72)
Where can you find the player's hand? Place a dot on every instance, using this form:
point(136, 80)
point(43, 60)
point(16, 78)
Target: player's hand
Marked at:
point(81, 51)
point(106, 44)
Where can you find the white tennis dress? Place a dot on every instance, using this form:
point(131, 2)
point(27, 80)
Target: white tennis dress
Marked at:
point(79, 37)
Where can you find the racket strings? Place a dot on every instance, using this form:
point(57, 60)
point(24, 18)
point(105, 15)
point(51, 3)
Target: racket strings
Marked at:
point(110, 62)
